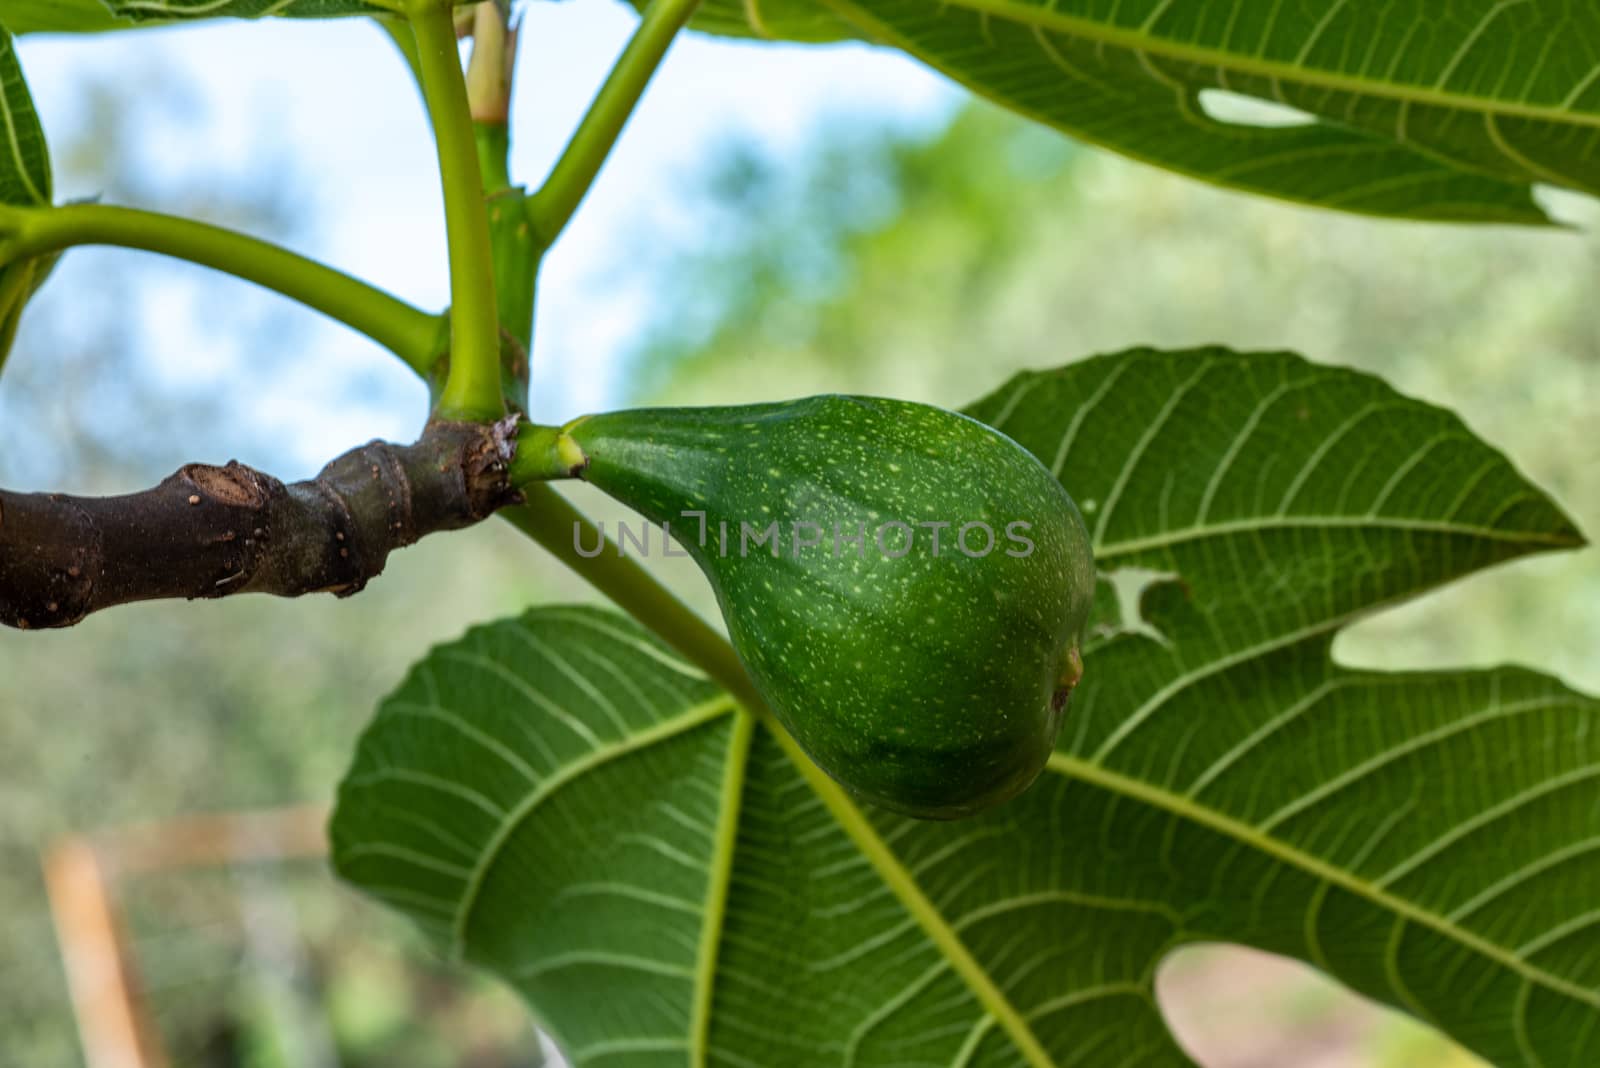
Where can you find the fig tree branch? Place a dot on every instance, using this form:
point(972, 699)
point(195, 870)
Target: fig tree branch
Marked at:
point(412, 334)
point(554, 204)
point(209, 531)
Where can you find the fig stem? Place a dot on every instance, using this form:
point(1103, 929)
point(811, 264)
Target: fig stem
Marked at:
point(545, 453)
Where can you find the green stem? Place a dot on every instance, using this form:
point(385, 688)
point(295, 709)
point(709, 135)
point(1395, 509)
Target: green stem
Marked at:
point(516, 253)
point(472, 390)
point(516, 268)
point(516, 260)
point(553, 205)
point(551, 520)
point(493, 141)
point(544, 453)
point(407, 331)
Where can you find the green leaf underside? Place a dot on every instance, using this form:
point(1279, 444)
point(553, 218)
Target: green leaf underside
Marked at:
point(24, 160)
point(776, 20)
point(60, 16)
point(98, 16)
point(566, 803)
point(1433, 109)
point(173, 10)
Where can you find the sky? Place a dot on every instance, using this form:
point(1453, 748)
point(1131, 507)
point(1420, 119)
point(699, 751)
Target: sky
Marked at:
point(338, 97)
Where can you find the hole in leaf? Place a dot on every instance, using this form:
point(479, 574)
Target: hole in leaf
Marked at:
point(1233, 1007)
point(1239, 110)
point(1118, 609)
point(1568, 207)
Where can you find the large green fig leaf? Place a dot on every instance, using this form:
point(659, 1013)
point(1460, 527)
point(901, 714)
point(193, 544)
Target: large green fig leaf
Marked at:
point(667, 881)
point(1432, 109)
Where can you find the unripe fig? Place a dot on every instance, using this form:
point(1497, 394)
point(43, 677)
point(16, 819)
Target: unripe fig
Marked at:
point(906, 586)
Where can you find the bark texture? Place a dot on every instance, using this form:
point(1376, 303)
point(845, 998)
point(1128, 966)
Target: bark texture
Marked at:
point(218, 531)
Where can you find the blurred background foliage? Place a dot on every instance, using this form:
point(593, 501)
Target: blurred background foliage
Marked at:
point(924, 266)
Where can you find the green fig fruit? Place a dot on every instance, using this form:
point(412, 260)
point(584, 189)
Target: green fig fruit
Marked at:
point(906, 586)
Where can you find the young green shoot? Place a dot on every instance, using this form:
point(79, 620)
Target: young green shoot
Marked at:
point(472, 390)
point(554, 204)
point(408, 332)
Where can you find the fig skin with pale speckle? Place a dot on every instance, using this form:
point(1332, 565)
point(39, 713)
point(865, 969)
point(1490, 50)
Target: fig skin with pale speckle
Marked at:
point(929, 679)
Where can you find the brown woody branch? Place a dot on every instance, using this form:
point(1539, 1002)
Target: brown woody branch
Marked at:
point(218, 531)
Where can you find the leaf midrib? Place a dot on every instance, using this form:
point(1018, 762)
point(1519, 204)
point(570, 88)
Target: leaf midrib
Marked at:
point(1233, 62)
point(1249, 836)
point(903, 884)
point(1135, 546)
point(718, 881)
